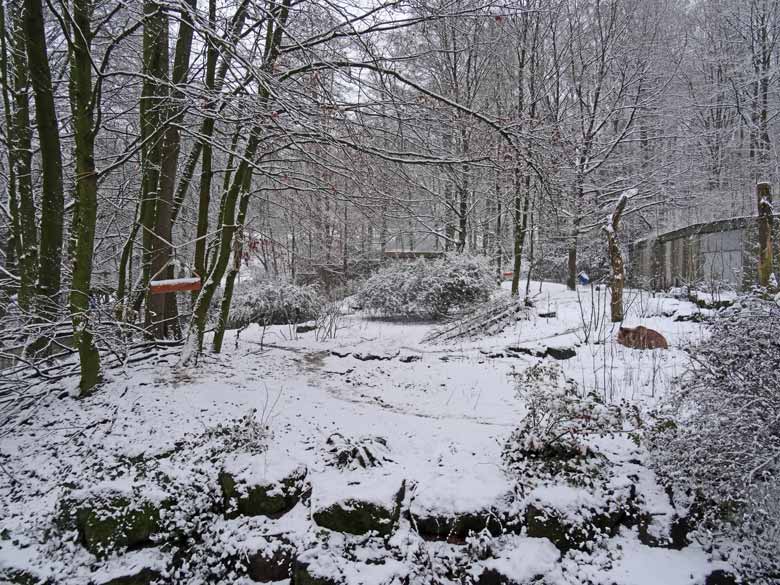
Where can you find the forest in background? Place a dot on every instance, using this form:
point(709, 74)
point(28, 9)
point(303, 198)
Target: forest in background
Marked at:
point(147, 141)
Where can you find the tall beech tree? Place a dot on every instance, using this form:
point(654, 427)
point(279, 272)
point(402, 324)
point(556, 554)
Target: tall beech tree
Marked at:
point(52, 195)
point(85, 216)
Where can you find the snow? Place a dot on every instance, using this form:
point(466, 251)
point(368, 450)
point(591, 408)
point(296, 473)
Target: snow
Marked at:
point(264, 469)
point(632, 563)
point(374, 487)
point(173, 281)
point(527, 559)
point(446, 418)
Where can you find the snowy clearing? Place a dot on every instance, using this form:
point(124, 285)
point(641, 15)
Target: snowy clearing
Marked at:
point(442, 413)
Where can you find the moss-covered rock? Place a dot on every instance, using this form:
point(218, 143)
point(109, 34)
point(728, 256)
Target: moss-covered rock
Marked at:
point(112, 520)
point(22, 577)
point(249, 492)
point(721, 577)
point(327, 566)
point(354, 515)
point(271, 560)
point(145, 576)
point(570, 533)
point(454, 528)
point(116, 524)
point(304, 575)
point(357, 517)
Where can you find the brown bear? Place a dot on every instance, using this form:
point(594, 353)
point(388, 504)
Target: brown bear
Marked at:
point(641, 338)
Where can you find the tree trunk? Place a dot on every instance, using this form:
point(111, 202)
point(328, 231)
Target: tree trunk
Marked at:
point(52, 200)
point(206, 174)
point(86, 196)
point(163, 306)
point(618, 277)
point(21, 154)
point(125, 261)
point(230, 279)
point(11, 244)
point(571, 280)
point(240, 186)
point(217, 268)
point(522, 201)
point(764, 197)
point(154, 94)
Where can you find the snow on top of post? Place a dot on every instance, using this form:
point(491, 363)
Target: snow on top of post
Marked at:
point(172, 281)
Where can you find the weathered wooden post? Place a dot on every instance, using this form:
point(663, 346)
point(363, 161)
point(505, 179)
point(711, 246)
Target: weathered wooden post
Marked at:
point(764, 198)
point(618, 276)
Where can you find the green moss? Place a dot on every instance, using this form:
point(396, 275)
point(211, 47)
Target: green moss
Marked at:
point(272, 500)
point(359, 517)
point(112, 523)
point(456, 528)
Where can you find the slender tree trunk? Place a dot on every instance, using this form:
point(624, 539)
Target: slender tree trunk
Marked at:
point(206, 174)
point(217, 268)
point(11, 244)
point(530, 257)
point(230, 279)
point(617, 279)
point(764, 197)
point(153, 103)
point(522, 201)
point(207, 126)
point(52, 200)
point(571, 280)
point(86, 196)
point(163, 307)
point(240, 186)
point(125, 261)
point(22, 234)
point(21, 154)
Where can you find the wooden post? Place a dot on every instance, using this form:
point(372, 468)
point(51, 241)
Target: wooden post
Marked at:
point(764, 200)
point(618, 276)
point(158, 287)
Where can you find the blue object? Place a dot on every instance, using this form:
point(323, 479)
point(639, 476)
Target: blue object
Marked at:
point(583, 278)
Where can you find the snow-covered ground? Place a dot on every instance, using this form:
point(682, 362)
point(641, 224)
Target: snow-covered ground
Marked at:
point(443, 413)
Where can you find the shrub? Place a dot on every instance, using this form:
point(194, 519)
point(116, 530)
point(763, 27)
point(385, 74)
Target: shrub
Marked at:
point(552, 439)
point(718, 435)
point(427, 288)
point(353, 454)
point(273, 303)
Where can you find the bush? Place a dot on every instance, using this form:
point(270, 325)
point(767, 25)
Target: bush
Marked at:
point(427, 288)
point(553, 438)
point(718, 436)
point(273, 303)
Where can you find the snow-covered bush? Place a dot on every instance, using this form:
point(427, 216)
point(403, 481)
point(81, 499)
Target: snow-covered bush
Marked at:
point(246, 434)
point(553, 436)
point(353, 454)
point(273, 303)
point(719, 433)
point(427, 288)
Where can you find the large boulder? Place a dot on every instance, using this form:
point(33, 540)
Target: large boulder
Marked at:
point(255, 485)
point(455, 527)
point(357, 504)
point(450, 508)
point(270, 559)
point(571, 517)
point(114, 516)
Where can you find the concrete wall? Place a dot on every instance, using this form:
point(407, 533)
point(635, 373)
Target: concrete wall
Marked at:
point(719, 254)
